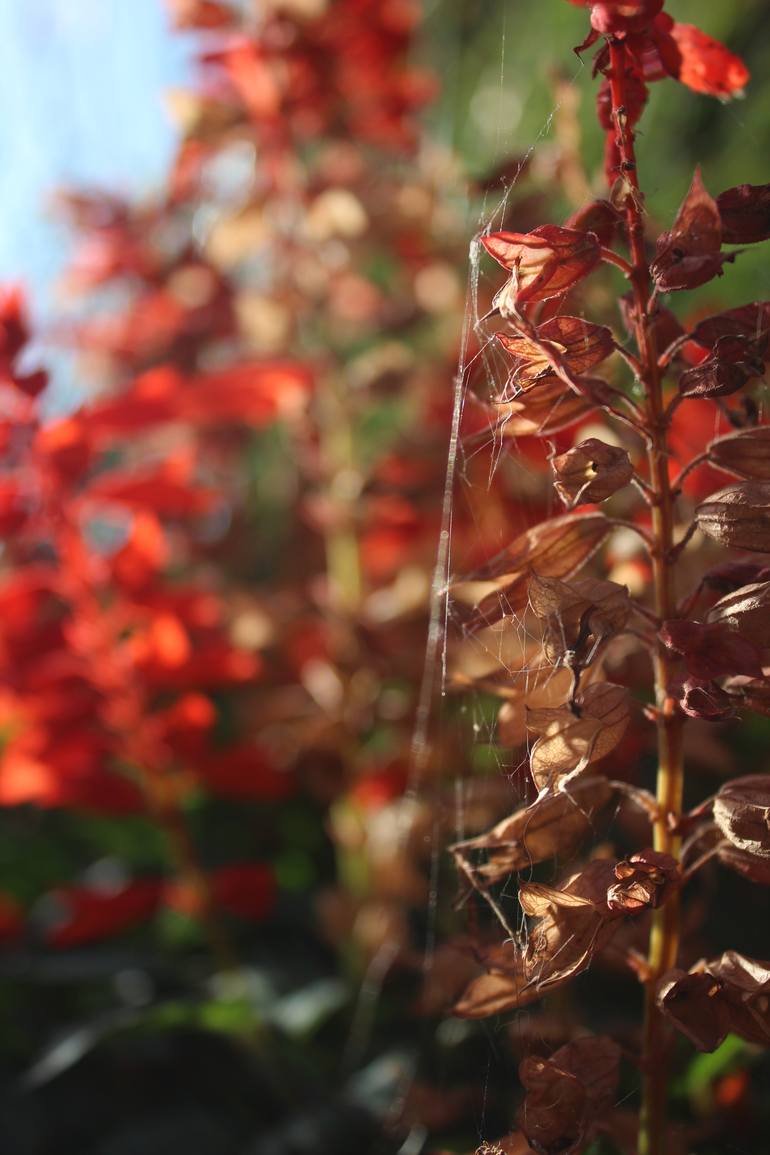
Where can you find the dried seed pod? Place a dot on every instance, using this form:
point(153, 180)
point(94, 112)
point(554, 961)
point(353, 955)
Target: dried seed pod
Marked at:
point(591, 472)
point(742, 813)
point(738, 516)
point(747, 611)
point(746, 453)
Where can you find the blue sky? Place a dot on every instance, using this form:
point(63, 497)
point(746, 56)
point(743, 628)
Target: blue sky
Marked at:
point(81, 93)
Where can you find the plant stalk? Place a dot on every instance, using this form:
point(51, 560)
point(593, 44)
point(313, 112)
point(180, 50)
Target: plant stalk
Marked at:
point(664, 936)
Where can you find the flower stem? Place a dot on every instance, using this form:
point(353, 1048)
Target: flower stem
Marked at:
point(664, 936)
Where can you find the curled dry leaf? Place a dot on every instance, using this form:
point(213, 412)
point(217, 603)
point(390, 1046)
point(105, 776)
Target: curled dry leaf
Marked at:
point(745, 213)
point(577, 344)
point(572, 737)
point(544, 263)
point(591, 472)
point(738, 516)
point(553, 825)
point(577, 616)
point(567, 1094)
point(747, 611)
point(742, 813)
point(689, 255)
point(555, 548)
point(711, 650)
point(746, 453)
point(733, 363)
point(729, 994)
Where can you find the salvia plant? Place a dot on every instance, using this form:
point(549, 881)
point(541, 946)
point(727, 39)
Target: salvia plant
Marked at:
point(576, 655)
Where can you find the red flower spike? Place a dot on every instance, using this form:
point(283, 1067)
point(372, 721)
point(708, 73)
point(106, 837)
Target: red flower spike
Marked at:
point(706, 65)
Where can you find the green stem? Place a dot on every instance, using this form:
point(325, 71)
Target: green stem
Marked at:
point(664, 936)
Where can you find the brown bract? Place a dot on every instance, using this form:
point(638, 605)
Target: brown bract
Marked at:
point(575, 735)
point(591, 472)
point(575, 344)
point(747, 611)
point(556, 548)
point(751, 321)
point(746, 453)
point(543, 411)
point(745, 213)
point(553, 825)
point(567, 1094)
point(734, 362)
point(711, 649)
point(738, 516)
point(577, 616)
point(729, 994)
point(544, 263)
point(742, 813)
point(689, 255)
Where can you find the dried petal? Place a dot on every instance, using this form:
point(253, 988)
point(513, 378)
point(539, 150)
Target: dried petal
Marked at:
point(738, 516)
point(742, 813)
point(745, 213)
point(689, 255)
point(591, 472)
